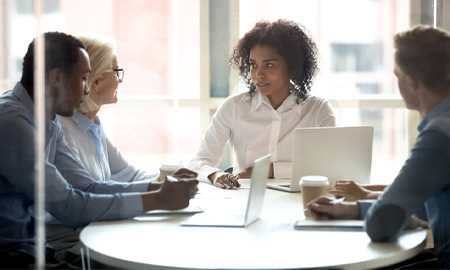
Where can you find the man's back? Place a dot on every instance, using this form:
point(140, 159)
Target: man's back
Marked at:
point(16, 223)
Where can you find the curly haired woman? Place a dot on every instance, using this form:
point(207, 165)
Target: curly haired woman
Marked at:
point(277, 61)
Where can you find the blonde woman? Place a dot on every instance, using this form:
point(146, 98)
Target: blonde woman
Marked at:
point(84, 133)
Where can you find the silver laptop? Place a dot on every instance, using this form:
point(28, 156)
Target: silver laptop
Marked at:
point(254, 202)
point(335, 152)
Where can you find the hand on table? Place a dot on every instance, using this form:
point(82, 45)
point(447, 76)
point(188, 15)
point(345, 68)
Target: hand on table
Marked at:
point(185, 174)
point(325, 208)
point(180, 174)
point(350, 190)
point(176, 195)
point(224, 180)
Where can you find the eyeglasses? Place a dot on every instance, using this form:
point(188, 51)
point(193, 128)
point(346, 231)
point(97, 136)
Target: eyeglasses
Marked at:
point(119, 73)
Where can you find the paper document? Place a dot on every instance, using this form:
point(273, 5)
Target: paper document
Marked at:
point(191, 209)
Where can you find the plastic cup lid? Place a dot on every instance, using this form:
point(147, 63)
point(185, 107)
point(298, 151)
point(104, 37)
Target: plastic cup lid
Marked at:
point(314, 180)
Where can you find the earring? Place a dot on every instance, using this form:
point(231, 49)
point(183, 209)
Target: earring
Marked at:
point(86, 91)
point(292, 87)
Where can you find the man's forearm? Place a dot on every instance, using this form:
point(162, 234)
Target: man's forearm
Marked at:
point(385, 221)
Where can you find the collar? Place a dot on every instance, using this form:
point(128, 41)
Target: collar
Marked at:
point(83, 122)
point(440, 108)
point(22, 95)
point(259, 100)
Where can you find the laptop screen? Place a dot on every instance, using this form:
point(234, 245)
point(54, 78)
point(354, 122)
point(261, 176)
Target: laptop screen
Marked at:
point(257, 191)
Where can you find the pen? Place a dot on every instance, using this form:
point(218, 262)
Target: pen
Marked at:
point(337, 200)
point(171, 178)
point(333, 201)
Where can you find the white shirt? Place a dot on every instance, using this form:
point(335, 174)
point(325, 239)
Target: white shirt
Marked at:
point(104, 166)
point(254, 128)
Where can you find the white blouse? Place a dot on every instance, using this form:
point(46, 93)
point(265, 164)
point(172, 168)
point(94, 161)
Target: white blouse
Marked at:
point(254, 128)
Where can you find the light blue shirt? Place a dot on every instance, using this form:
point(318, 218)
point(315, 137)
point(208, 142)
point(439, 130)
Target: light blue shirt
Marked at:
point(97, 154)
point(70, 205)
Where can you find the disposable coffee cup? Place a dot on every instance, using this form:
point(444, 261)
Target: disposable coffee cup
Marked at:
point(167, 169)
point(313, 186)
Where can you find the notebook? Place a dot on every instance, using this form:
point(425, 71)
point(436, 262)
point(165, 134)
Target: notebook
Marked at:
point(254, 202)
point(335, 152)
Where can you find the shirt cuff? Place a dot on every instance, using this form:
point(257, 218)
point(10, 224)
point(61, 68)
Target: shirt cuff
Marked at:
point(131, 204)
point(139, 186)
point(147, 176)
point(206, 171)
point(364, 206)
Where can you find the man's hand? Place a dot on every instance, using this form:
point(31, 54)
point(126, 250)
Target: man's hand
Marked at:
point(152, 186)
point(176, 195)
point(224, 180)
point(172, 195)
point(353, 191)
point(324, 208)
point(350, 190)
point(180, 174)
point(185, 174)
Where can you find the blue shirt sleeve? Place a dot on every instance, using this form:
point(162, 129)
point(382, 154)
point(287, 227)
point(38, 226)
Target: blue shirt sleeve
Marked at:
point(71, 206)
point(121, 170)
point(424, 173)
point(364, 206)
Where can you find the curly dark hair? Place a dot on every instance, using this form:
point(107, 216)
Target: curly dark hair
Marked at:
point(288, 39)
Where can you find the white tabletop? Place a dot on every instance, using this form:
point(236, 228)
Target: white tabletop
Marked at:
point(271, 243)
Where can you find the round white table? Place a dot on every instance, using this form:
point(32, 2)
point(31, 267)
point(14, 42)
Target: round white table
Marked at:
point(159, 242)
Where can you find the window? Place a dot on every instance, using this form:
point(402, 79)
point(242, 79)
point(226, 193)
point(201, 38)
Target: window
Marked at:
point(176, 58)
point(26, 6)
point(157, 42)
point(356, 57)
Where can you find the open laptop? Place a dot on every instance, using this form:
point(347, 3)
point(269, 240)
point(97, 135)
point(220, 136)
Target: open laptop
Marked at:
point(255, 201)
point(335, 152)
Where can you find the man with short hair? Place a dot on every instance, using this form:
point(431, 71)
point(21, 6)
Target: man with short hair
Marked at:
point(66, 70)
point(422, 67)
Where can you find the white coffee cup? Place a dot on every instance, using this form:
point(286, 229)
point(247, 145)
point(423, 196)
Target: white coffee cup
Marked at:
point(313, 186)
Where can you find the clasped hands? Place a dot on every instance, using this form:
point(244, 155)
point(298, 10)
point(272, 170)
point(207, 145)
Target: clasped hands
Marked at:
point(227, 180)
point(231, 181)
point(176, 194)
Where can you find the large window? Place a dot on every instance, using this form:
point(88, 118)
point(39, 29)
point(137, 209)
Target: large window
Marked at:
point(175, 53)
point(157, 43)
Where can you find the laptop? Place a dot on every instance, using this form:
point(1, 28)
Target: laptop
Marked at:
point(335, 152)
point(255, 201)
